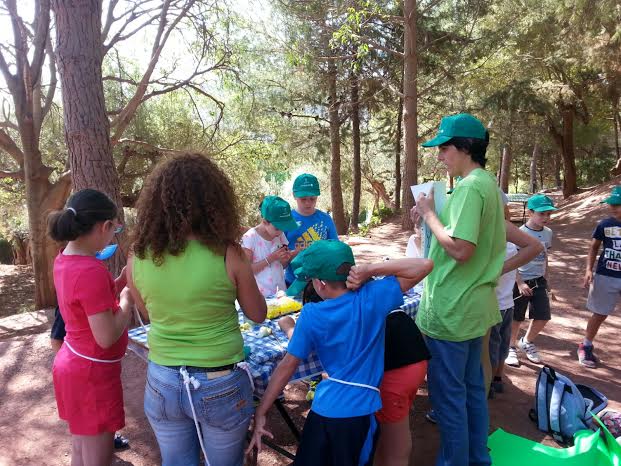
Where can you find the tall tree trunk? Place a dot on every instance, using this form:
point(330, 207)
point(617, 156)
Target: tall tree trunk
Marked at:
point(533, 169)
point(355, 125)
point(336, 192)
point(570, 182)
point(505, 170)
point(410, 131)
point(79, 54)
point(616, 121)
point(398, 142)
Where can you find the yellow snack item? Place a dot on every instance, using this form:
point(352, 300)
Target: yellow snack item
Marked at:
point(281, 306)
point(245, 327)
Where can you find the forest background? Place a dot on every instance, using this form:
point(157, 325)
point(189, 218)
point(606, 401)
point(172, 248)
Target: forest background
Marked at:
point(94, 94)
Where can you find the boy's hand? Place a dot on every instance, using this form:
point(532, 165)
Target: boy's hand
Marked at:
point(425, 204)
point(258, 433)
point(588, 279)
point(525, 290)
point(358, 276)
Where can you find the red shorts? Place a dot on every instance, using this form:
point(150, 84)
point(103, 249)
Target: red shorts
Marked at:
point(398, 389)
point(89, 395)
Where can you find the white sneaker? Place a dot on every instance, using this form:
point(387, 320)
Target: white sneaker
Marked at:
point(531, 351)
point(512, 358)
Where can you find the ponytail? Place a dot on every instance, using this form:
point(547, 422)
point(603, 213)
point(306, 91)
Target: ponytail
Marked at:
point(84, 209)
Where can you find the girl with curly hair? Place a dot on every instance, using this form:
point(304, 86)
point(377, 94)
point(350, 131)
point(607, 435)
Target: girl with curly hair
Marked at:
point(186, 272)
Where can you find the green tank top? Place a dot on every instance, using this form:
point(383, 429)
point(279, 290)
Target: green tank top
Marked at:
point(191, 304)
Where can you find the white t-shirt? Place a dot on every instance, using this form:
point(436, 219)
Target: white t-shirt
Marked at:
point(504, 289)
point(412, 250)
point(271, 278)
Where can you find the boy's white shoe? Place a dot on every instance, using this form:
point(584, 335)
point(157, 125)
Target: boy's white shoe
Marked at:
point(530, 349)
point(512, 357)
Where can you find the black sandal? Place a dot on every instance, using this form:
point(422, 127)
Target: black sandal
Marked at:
point(120, 442)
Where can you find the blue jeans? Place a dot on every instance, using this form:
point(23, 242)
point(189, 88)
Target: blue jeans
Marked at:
point(458, 397)
point(224, 407)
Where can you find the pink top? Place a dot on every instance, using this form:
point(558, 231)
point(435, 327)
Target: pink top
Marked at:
point(85, 288)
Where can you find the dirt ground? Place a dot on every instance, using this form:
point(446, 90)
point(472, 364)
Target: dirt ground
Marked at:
point(33, 434)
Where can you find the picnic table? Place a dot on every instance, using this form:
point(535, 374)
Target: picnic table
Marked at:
point(520, 198)
point(266, 353)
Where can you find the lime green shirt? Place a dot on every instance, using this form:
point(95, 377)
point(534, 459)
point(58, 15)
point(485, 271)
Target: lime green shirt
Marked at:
point(191, 304)
point(459, 302)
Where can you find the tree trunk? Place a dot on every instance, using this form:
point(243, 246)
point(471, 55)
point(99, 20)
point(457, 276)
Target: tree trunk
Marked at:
point(79, 54)
point(398, 156)
point(505, 170)
point(570, 182)
point(410, 131)
point(336, 192)
point(355, 125)
point(533, 169)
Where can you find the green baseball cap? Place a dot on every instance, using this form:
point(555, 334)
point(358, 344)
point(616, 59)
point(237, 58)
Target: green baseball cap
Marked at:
point(540, 203)
point(462, 125)
point(306, 185)
point(277, 211)
point(614, 198)
point(323, 259)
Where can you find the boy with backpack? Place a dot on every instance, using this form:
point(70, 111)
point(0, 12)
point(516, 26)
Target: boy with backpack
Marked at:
point(532, 286)
point(605, 285)
point(346, 330)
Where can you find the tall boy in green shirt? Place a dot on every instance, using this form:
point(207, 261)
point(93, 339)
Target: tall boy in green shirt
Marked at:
point(459, 303)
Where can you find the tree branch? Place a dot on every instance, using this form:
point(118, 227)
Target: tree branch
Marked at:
point(17, 175)
point(41, 34)
point(8, 145)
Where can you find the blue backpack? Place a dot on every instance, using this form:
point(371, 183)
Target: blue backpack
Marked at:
point(562, 407)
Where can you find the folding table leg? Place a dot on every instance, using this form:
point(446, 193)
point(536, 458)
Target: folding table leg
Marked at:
point(285, 415)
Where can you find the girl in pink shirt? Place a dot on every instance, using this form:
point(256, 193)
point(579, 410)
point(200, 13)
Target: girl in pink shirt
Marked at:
point(87, 368)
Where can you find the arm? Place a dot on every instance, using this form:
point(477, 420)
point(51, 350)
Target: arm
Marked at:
point(281, 254)
point(459, 249)
point(408, 272)
point(525, 290)
point(280, 378)
point(129, 273)
point(590, 261)
point(107, 327)
point(121, 281)
point(240, 272)
point(528, 246)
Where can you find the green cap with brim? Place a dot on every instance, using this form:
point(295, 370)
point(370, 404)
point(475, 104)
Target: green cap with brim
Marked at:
point(327, 259)
point(462, 125)
point(277, 211)
point(306, 185)
point(540, 203)
point(614, 198)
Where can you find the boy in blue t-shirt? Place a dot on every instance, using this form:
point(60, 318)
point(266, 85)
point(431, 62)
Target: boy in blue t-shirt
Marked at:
point(605, 285)
point(314, 223)
point(346, 330)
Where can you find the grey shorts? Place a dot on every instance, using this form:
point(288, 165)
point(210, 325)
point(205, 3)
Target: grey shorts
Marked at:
point(604, 294)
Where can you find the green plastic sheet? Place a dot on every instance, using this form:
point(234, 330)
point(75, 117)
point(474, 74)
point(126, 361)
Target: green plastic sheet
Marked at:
point(590, 448)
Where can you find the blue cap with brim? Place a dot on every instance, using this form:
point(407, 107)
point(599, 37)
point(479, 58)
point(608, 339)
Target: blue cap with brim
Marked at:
point(462, 125)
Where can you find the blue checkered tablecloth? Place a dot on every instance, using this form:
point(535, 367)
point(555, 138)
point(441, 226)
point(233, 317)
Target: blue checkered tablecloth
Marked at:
point(266, 352)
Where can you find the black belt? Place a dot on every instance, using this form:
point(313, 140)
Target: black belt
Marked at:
point(205, 369)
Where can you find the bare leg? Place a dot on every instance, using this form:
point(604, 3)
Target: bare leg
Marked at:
point(394, 444)
point(593, 326)
point(76, 450)
point(515, 331)
point(96, 449)
point(535, 327)
point(55, 344)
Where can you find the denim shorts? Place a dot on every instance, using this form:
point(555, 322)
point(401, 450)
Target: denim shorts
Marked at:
point(604, 294)
point(223, 407)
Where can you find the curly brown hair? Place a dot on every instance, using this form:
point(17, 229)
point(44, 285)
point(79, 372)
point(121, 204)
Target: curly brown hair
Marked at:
point(185, 195)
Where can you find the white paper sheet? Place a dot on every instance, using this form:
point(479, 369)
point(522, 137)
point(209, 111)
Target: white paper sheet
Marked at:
point(423, 188)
